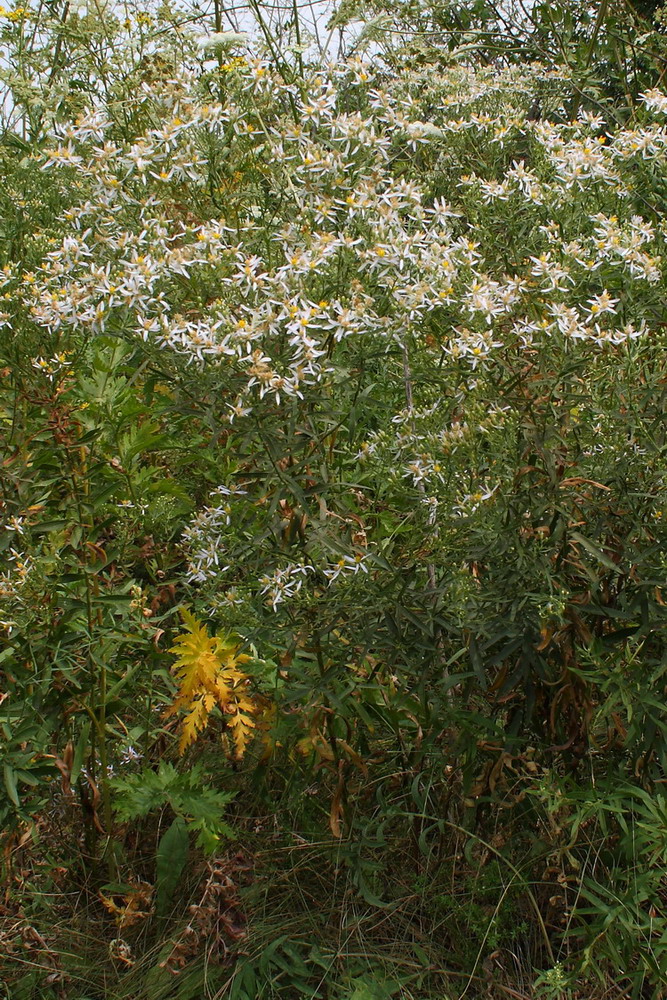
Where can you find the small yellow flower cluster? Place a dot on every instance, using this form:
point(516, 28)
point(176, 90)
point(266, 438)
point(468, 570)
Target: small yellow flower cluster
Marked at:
point(18, 14)
point(238, 62)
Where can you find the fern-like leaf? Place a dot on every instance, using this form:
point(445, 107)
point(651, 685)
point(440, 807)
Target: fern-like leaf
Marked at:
point(242, 727)
point(195, 720)
point(209, 674)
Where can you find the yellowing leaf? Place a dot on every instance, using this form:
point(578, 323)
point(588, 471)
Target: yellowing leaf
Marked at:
point(242, 727)
point(207, 668)
point(195, 721)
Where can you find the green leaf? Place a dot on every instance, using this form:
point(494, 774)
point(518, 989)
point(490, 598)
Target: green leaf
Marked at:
point(80, 750)
point(10, 784)
point(595, 551)
point(172, 853)
point(46, 526)
point(6, 653)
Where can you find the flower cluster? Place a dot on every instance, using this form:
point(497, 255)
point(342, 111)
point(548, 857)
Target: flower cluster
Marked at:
point(334, 224)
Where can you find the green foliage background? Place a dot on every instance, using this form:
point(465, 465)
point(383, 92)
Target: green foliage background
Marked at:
point(442, 545)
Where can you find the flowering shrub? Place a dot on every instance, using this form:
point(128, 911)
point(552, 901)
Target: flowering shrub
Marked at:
point(362, 359)
point(292, 245)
